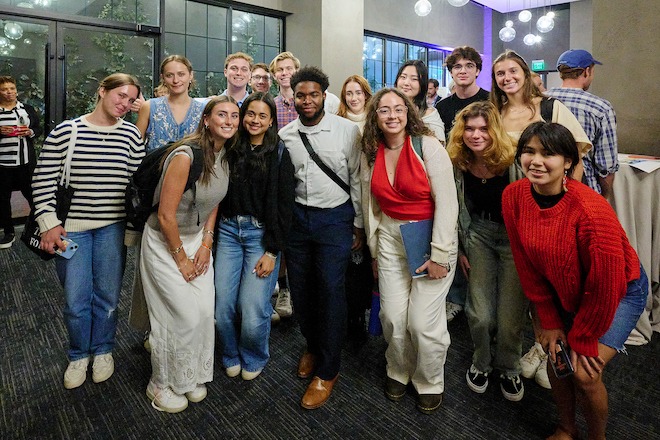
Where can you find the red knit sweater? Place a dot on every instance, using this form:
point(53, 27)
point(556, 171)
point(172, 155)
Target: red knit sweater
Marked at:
point(575, 250)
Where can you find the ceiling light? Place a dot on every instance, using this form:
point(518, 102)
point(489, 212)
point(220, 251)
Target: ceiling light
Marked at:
point(423, 8)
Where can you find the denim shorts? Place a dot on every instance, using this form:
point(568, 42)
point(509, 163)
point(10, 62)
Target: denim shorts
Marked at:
point(627, 314)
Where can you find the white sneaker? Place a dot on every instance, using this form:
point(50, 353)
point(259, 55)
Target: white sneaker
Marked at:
point(233, 371)
point(283, 304)
point(103, 367)
point(198, 394)
point(453, 310)
point(276, 290)
point(249, 375)
point(166, 400)
point(531, 360)
point(76, 373)
point(541, 375)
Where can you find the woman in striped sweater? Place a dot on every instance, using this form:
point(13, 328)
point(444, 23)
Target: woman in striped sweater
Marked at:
point(576, 266)
point(107, 150)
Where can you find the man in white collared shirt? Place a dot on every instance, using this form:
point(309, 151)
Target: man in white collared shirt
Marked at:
point(238, 71)
point(327, 223)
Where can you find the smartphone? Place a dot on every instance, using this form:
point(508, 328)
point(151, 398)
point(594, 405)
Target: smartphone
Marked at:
point(71, 248)
point(562, 364)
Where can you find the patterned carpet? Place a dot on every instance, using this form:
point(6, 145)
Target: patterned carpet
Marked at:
point(35, 405)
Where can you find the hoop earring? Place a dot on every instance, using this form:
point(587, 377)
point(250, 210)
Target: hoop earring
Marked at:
point(564, 181)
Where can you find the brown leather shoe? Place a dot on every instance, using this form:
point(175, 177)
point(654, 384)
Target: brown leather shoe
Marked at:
point(306, 365)
point(318, 392)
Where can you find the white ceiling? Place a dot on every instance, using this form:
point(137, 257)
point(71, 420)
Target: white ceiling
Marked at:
point(517, 5)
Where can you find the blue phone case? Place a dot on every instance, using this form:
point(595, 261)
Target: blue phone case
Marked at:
point(71, 248)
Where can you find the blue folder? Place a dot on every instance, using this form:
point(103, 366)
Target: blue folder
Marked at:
point(417, 243)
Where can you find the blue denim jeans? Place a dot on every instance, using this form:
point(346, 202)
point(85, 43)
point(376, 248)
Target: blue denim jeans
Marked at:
point(317, 257)
point(240, 292)
point(92, 283)
point(495, 305)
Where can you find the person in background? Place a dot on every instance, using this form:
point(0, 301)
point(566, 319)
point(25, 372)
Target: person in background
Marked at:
point(19, 126)
point(106, 153)
point(595, 114)
point(326, 226)
point(171, 117)
point(161, 90)
point(538, 81)
point(176, 262)
point(283, 66)
point(254, 220)
point(355, 94)
point(261, 79)
point(464, 65)
point(412, 80)
point(592, 304)
point(483, 157)
point(432, 96)
point(400, 186)
point(238, 71)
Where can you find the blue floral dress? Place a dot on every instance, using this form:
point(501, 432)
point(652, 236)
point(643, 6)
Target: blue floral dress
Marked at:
point(163, 128)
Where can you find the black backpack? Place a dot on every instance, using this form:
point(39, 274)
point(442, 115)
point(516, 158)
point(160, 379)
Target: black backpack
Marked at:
point(142, 184)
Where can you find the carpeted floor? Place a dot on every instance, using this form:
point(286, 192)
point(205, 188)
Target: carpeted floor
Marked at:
point(35, 405)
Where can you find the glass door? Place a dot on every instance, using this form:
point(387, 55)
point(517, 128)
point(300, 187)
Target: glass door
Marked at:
point(87, 54)
point(23, 56)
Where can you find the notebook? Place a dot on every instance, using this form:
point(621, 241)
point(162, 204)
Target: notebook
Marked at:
point(417, 244)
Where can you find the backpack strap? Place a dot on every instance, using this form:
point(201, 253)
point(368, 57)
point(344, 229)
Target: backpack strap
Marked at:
point(547, 105)
point(196, 168)
point(417, 146)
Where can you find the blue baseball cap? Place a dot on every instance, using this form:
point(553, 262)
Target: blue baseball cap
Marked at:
point(576, 58)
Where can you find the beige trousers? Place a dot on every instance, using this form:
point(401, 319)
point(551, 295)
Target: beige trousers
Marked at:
point(412, 314)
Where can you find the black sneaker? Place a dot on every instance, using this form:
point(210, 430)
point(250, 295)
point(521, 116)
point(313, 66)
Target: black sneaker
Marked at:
point(477, 380)
point(512, 388)
point(7, 240)
point(394, 390)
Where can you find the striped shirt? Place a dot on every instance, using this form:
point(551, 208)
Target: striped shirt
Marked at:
point(597, 117)
point(103, 160)
point(14, 150)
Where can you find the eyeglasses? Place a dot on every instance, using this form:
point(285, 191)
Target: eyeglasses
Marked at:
point(385, 112)
point(259, 78)
point(468, 67)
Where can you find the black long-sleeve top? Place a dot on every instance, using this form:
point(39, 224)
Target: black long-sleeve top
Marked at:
point(267, 195)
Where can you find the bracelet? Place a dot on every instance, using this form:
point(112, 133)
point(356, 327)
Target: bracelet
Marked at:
point(177, 250)
point(270, 255)
point(208, 231)
point(204, 245)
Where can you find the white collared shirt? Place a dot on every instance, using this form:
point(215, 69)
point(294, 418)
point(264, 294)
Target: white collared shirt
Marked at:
point(335, 140)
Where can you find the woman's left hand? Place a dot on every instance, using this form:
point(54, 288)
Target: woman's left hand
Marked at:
point(436, 272)
point(202, 260)
point(593, 366)
point(264, 266)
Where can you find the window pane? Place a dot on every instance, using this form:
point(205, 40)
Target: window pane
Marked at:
point(273, 31)
point(175, 17)
point(372, 56)
point(216, 54)
point(175, 44)
point(196, 19)
point(196, 52)
point(217, 23)
point(128, 11)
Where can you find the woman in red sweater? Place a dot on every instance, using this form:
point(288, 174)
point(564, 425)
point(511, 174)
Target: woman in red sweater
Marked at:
point(577, 267)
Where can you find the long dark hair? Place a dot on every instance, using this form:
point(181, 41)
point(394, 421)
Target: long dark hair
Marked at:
point(237, 155)
point(423, 76)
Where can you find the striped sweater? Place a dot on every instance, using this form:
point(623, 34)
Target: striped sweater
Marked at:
point(575, 251)
point(103, 160)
